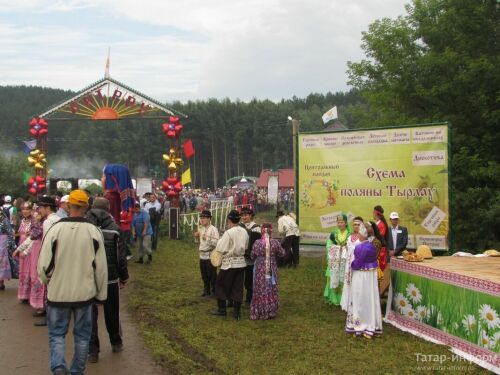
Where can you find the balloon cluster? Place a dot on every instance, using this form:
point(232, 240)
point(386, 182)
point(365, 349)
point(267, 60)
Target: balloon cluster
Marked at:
point(172, 186)
point(37, 159)
point(36, 185)
point(38, 127)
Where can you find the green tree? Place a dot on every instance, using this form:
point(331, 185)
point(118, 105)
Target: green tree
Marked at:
point(440, 63)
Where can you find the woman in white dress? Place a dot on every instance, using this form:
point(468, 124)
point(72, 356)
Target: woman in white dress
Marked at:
point(364, 317)
point(358, 235)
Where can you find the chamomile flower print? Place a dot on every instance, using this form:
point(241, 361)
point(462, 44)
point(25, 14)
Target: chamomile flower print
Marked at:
point(413, 293)
point(410, 313)
point(421, 313)
point(402, 303)
point(489, 316)
point(470, 324)
point(483, 339)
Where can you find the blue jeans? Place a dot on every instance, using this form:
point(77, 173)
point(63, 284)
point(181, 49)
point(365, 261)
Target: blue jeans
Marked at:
point(58, 321)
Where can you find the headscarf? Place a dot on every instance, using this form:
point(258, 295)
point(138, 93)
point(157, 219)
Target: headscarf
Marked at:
point(117, 178)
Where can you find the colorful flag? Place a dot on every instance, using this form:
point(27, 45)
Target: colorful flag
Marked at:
point(186, 177)
point(29, 145)
point(331, 114)
point(188, 148)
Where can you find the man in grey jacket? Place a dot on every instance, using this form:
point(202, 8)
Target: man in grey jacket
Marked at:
point(73, 265)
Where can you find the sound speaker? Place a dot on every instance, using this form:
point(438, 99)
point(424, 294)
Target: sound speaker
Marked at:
point(174, 223)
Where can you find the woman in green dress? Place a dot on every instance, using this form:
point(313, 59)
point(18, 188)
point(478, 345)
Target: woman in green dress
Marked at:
point(336, 251)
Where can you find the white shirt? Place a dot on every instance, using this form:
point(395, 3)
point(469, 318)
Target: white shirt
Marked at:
point(232, 245)
point(288, 226)
point(156, 205)
point(209, 236)
point(394, 232)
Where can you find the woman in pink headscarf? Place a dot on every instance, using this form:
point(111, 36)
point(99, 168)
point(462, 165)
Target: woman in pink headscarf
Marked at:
point(265, 299)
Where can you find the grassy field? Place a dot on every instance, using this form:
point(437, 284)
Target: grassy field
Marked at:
point(306, 338)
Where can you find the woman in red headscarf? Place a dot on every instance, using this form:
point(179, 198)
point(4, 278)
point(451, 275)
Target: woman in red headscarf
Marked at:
point(378, 215)
point(265, 299)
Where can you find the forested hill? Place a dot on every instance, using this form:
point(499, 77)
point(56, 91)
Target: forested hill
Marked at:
point(231, 138)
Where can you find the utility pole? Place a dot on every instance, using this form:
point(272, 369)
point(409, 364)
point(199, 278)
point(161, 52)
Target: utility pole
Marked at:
point(295, 135)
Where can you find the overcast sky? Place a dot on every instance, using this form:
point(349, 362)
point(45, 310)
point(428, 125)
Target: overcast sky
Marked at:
point(188, 49)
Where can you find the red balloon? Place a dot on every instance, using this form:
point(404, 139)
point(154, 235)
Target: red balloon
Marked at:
point(43, 123)
point(172, 194)
point(39, 179)
point(32, 191)
point(43, 131)
point(173, 119)
point(31, 181)
point(171, 134)
point(33, 122)
point(34, 133)
point(41, 187)
point(178, 186)
point(172, 180)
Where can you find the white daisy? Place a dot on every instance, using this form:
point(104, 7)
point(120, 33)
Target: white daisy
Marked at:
point(489, 316)
point(439, 318)
point(483, 339)
point(470, 323)
point(410, 313)
point(402, 303)
point(421, 313)
point(413, 293)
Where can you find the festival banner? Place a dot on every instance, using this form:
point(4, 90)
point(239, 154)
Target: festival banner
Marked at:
point(401, 169)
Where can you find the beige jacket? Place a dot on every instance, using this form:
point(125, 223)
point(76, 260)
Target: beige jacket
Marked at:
point(73, 264)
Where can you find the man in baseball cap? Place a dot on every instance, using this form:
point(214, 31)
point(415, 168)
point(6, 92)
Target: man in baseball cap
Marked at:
point(63, 210)
point(398, 236)
point(78, 198)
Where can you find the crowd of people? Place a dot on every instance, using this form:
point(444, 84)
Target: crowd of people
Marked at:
point(238, 267)
point(201, 199)
point(357, 256)
point(247, 257)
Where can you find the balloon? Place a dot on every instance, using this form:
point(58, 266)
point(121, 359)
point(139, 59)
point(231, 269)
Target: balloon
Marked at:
point(32, 191)
point(173, 119)
point(38, 127)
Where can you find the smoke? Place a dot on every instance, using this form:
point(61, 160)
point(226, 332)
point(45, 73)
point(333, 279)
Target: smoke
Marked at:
point(61, 167)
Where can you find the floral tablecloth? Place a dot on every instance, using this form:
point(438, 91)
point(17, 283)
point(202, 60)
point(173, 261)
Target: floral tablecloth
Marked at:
point(447, 308)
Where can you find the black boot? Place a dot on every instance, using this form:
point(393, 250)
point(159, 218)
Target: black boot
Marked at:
point(140, 261)
point(221, 308)
point(236, 311)
point(206, 291)
point(150, 259)
point(230, 303)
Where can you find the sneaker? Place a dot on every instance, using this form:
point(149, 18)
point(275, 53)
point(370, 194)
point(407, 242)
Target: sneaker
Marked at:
point(129, 257)
point(60, 371)
point(117, 348)
point(41, 323)
point(93, 357)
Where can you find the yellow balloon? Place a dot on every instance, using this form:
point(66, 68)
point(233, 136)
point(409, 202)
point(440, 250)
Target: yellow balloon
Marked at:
point(35, 152)
point(172, 166)
point(38, 166)
point(31, 160)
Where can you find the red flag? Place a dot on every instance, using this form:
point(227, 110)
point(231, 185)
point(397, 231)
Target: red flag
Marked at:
point(188, 148)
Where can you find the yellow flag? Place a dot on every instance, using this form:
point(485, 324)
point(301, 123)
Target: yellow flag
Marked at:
point(186, 177)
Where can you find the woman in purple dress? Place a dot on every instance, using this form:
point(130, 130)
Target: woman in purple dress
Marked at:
point(265, 300)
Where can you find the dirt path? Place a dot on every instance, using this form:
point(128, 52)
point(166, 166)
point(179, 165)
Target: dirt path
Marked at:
point(24, 348)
